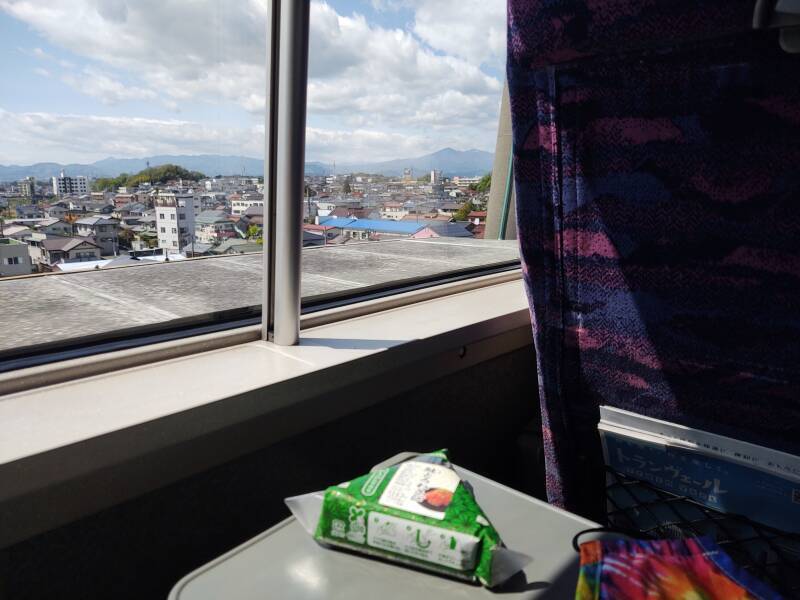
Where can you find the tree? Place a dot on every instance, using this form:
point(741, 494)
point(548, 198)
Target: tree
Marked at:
point(463, 212)
point(346, 188)
point(485, 184)
point(253, 232)
point(155, 175)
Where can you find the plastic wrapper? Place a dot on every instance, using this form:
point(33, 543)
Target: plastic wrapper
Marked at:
point(418, 513)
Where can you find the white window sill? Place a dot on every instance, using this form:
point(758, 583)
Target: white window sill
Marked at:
point(77, 447)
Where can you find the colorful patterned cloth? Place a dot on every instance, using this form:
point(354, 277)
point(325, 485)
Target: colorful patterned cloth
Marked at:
point(691, 569)
point(656, 153)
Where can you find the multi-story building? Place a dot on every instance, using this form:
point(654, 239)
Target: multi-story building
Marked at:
point(239, 204)
point(14, 258)
point(175, 220)
point(64, 185)
point(27, 187)
point(465, 182)
point(436, 176)
point(104, 231)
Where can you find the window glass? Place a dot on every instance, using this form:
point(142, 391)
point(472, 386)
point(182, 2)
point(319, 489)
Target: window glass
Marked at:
point(403, 109)
point(140, 114)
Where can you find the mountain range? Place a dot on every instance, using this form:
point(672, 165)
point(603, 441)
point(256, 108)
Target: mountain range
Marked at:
point(451, 162)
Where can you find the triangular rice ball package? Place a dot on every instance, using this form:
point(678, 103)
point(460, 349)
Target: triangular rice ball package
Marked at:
point(417, 513)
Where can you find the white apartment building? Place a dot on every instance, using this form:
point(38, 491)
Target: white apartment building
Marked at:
point(239, 204)
point(27, 187)
point(465, 182)
point(68, 186)
point(175, 220)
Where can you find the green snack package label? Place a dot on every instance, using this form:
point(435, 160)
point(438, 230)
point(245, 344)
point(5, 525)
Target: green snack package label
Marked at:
point(418, 513)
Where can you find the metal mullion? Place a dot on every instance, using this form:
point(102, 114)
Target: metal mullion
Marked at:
point(289, 168)
point(271, 132)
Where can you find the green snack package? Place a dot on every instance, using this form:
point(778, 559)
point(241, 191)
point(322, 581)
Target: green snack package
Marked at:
point(418, 513)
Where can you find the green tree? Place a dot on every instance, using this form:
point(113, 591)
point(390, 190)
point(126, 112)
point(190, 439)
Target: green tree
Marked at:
point(463, 212)
point(155, 175)
point(347, 188)
point(485, 184)
point(253, 232)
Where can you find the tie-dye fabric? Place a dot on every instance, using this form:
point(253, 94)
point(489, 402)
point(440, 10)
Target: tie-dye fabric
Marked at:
point(657, 173)
point(691, 569)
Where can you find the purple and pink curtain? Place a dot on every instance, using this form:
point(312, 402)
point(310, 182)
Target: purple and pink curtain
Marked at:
point(657, 173)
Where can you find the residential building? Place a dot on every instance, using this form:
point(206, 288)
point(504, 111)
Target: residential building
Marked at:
point(465, 182)
point(15, 231)
point(75, 249)
point(64, 185)
point(27, 187)
point(14, 258)
point(213, 226)
point(477, 217)
point(29, 211)
point(394, 211)
point(103, 230)
point(436, 176)
point(175, 220)
point(450, 208)
point(53, 227)
point(239, 204)
point(378, 229)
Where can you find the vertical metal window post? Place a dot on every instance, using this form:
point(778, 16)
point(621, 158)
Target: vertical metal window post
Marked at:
point(287, 48)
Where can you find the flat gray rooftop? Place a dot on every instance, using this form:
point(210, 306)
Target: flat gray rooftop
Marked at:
point(41, 309)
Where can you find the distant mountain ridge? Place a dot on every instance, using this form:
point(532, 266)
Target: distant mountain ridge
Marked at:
point(451, 162)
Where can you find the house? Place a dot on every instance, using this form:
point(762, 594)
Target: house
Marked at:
point(237, 246)
point(213, 226)
point(51, 227)
point(450, 208)
point(477, 217)
point(29, 211)
point(378, 229)
point(447, 228)
point(122, 199)
point(130, 210)
point(394, 211)
point(14, 258)
point(104, 230)
point(15, 231)
point(68, 250)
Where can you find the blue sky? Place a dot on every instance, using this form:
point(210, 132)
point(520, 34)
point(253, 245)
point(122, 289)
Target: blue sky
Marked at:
point(87, 79)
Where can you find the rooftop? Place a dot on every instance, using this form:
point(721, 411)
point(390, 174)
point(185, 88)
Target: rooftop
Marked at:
point(47, 307)
point(379, 225)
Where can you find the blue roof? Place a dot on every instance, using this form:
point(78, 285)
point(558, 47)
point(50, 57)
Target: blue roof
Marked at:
point(379, 225)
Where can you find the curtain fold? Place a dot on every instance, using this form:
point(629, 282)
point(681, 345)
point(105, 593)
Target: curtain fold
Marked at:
point(657, 174)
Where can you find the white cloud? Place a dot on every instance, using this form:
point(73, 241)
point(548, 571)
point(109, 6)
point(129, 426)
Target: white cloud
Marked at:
point(42, 72)
point(35, 137)
point(105, 88)
point(475, 30)
point(416, 81)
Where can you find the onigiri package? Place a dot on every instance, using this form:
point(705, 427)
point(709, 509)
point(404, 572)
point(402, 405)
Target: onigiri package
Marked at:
point(417, 513)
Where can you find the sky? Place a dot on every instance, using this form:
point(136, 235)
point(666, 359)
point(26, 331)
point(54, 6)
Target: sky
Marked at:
point(87, 79)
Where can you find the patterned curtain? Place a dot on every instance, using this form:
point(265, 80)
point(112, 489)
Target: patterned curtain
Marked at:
point(657, 173)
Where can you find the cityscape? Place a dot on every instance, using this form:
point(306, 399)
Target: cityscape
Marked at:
point(71, 223)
